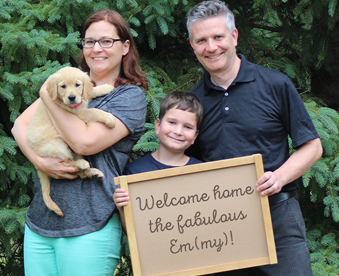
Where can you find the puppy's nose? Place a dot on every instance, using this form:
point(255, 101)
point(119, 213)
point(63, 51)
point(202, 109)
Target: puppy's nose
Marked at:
point(71, 98)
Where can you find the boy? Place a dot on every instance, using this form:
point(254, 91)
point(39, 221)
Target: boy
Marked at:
point(177, 127)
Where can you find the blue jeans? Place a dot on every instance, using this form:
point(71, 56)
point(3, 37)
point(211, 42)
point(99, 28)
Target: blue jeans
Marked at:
point(93, 254)
point(290, 240)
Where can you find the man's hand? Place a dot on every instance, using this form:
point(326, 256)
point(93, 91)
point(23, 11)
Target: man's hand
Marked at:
point(296, 165)
point(269, 184)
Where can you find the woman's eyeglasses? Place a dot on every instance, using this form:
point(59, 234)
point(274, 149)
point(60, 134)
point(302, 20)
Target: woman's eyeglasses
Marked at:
point(103, 42)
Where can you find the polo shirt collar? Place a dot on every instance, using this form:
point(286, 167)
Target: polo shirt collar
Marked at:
point(245, 74)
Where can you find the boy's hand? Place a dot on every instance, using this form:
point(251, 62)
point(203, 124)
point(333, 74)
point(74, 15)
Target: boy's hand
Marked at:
point(120, 198)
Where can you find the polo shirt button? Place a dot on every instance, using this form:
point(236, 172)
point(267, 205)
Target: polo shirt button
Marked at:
point(226, 94)
point(227, 108)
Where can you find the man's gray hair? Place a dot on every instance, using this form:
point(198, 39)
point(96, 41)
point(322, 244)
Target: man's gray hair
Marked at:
point(208, 9)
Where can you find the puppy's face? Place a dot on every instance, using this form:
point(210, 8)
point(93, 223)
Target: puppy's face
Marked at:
point(70, 85)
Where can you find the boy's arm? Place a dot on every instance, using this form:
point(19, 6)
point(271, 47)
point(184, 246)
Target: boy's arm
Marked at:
point(121, 199)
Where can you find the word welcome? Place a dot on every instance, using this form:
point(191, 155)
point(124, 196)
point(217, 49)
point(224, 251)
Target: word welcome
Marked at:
point(167, 201)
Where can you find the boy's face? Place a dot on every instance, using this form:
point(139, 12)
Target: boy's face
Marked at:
point(177, 130)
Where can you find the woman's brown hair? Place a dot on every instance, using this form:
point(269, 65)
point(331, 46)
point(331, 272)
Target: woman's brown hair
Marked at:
point(129, 71)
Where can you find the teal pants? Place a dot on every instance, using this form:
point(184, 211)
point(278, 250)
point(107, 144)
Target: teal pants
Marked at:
point(91, 254)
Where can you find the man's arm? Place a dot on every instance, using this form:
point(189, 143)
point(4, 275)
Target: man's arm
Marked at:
point(296, 165)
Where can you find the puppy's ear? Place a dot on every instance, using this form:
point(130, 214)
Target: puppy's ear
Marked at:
point(87, 87)
point(52, 87)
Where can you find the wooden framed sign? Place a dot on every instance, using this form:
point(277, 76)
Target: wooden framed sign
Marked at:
point(198, 219)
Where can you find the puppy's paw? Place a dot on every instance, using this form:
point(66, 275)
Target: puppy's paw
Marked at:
point(96, 173)
point(110, 121)
point(106, 87)
point(102, 90)
point(91, 173)
point(81, 164)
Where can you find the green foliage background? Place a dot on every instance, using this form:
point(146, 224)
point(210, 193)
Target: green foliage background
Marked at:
point(298, 38)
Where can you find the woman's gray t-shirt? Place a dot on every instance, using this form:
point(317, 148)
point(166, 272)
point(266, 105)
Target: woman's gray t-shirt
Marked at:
point(88, 204)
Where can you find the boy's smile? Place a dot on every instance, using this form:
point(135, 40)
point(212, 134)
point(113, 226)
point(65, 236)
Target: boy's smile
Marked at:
point(177, 130)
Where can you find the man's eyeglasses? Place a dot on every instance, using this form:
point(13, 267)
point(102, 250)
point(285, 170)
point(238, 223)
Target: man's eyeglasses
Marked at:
point(103, 42)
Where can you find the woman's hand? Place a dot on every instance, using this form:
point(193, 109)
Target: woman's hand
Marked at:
point(54, 168)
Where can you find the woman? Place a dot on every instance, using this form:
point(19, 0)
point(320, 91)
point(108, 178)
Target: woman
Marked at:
point(87, 240)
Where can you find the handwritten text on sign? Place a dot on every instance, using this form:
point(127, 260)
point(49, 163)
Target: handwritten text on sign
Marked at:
point(198, 220)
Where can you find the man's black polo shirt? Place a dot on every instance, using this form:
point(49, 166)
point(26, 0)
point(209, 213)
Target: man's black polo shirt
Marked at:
point(254, 115)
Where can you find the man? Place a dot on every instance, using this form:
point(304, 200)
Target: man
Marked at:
point(251, 109)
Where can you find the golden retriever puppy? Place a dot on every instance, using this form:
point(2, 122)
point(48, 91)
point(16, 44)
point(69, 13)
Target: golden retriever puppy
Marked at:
point(72, 89)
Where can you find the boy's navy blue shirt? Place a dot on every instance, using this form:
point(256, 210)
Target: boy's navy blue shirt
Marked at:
point(256, 114)
point(148, 163)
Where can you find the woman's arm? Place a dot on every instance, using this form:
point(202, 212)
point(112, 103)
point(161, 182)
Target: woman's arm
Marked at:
point(50, 166)
point(84, 139)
